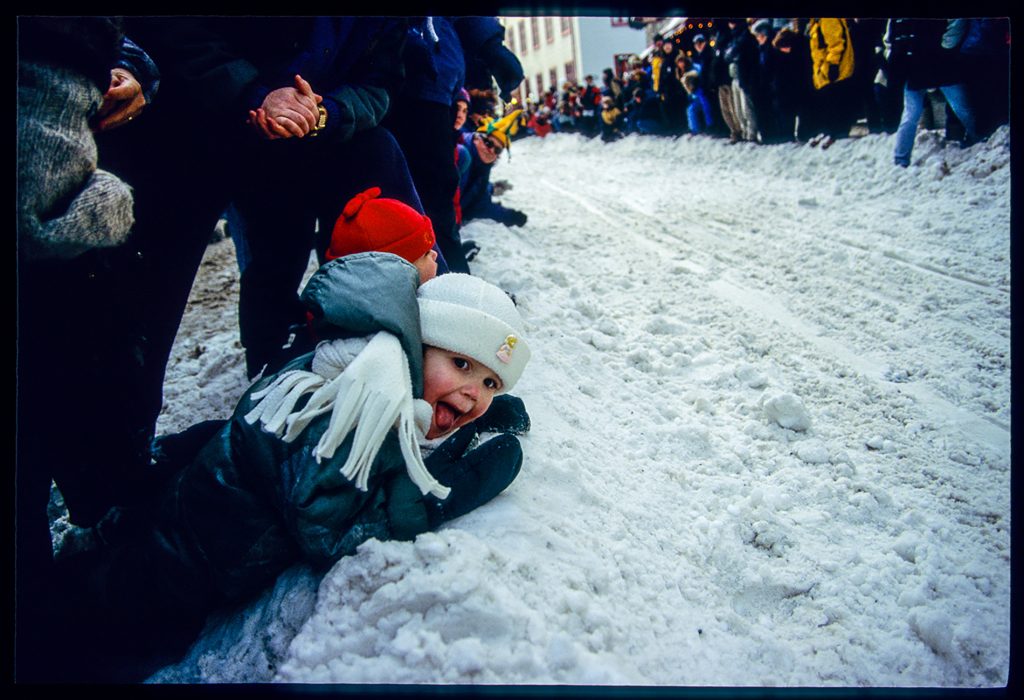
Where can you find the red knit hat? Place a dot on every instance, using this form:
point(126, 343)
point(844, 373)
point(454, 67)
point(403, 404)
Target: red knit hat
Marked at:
point(368, 223)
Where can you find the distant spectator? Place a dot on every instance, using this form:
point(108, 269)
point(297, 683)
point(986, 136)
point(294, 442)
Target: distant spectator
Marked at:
point(792, 87)
point(832, 67)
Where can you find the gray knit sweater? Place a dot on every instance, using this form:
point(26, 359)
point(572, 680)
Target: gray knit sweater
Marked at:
point(65, 204)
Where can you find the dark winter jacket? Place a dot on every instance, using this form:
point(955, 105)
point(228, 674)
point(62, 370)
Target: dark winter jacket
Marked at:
point(435, 67)
point(704, 61)
point(486, 55)
point(792, 76)
point(741, 56)
point(66, 205)
point(916, 54)
point(221, 67)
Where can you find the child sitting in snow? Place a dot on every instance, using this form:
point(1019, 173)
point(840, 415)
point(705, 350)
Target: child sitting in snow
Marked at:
point(316, 459)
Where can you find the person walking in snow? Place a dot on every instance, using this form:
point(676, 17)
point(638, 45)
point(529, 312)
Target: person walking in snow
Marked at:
point(368, 436)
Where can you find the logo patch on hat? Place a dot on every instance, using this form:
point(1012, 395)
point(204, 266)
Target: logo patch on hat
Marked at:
point(505, 351)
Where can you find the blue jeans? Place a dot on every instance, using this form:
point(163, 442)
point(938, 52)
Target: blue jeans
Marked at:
point(698, 112)
point(913, 108)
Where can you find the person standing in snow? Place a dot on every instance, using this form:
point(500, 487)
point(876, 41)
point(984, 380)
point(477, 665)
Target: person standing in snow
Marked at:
point(77, 78)
point(762, 91)
point(705, 105)
point(792, 87)
point(344, 444)
point(741, 57)
point(719, 66)
point(670, 91)
point(832, 66)
point(926, 52)
point(435, 58)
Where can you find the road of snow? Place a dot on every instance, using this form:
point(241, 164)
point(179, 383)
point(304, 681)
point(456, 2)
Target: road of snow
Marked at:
point(770, 394)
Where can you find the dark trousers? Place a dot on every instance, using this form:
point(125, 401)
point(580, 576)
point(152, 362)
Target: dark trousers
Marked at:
point(94, 335)
point(281, 214)
point(425, 132)
point(834, 112)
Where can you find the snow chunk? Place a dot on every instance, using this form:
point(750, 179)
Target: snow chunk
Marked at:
point(906, 546)
point(934, 628)
point(812, 452)
point(788, 411)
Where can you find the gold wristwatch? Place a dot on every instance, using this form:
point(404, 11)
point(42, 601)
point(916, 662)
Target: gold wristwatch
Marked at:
point(321, 122)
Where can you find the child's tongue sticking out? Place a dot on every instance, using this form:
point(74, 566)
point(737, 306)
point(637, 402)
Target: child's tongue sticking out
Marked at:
point(444, 417)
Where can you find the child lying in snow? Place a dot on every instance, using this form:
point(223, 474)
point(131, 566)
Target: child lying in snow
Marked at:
point(316, 459)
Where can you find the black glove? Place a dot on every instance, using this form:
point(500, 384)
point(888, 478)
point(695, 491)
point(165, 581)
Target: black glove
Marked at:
point(507, 414)
point(515, 217)
point(833, 72)
point(475, 478)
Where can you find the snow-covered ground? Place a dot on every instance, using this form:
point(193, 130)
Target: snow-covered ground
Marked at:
point(770, 394)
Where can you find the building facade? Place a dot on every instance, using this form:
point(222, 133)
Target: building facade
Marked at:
point(556, 50)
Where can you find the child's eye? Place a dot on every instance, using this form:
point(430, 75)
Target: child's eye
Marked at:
point(461, 362)
point(491, 383)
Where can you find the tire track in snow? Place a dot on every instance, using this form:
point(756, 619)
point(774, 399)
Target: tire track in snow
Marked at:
point(988, 429)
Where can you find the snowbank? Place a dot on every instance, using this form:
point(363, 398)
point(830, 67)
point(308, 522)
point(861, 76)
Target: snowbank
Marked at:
point(771, 404)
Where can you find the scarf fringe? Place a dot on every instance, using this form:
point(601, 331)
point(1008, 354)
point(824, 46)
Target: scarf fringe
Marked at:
point(366, 397)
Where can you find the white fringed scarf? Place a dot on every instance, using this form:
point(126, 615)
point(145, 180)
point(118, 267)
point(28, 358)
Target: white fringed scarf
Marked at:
point(364, 385)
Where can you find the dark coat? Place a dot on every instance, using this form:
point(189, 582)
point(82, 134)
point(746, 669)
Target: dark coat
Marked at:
point(225, 66)
point(916, 54)
point(249, 505)
point(741, 56)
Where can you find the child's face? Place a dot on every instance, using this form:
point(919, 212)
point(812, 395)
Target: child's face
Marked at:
point(458, 388)
point(427, 265)
point(461, 110)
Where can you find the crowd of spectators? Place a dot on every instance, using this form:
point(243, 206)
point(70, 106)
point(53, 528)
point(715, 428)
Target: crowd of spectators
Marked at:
point(805, 80)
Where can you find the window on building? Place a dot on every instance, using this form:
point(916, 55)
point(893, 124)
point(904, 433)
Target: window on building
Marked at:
point(535, 32)
point(522, 36)
point(553, 78)
point(549, 29)
point(570, 72)
point(510, 38)
point(566, 25)
point(540, 85)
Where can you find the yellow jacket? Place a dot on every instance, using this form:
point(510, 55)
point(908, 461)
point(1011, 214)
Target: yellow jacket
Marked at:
point(656, 61)
point(830, 46)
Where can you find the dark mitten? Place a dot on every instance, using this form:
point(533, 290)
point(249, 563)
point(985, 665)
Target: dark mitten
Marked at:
point(833, 72)
point(470, 250)
point(475, 478)
point(515, 218)
point(507, 414)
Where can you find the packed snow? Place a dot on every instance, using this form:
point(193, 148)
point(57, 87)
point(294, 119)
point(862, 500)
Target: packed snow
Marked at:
point(770, 395)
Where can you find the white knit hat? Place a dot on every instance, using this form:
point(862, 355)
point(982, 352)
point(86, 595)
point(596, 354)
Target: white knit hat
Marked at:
point(464, 314)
